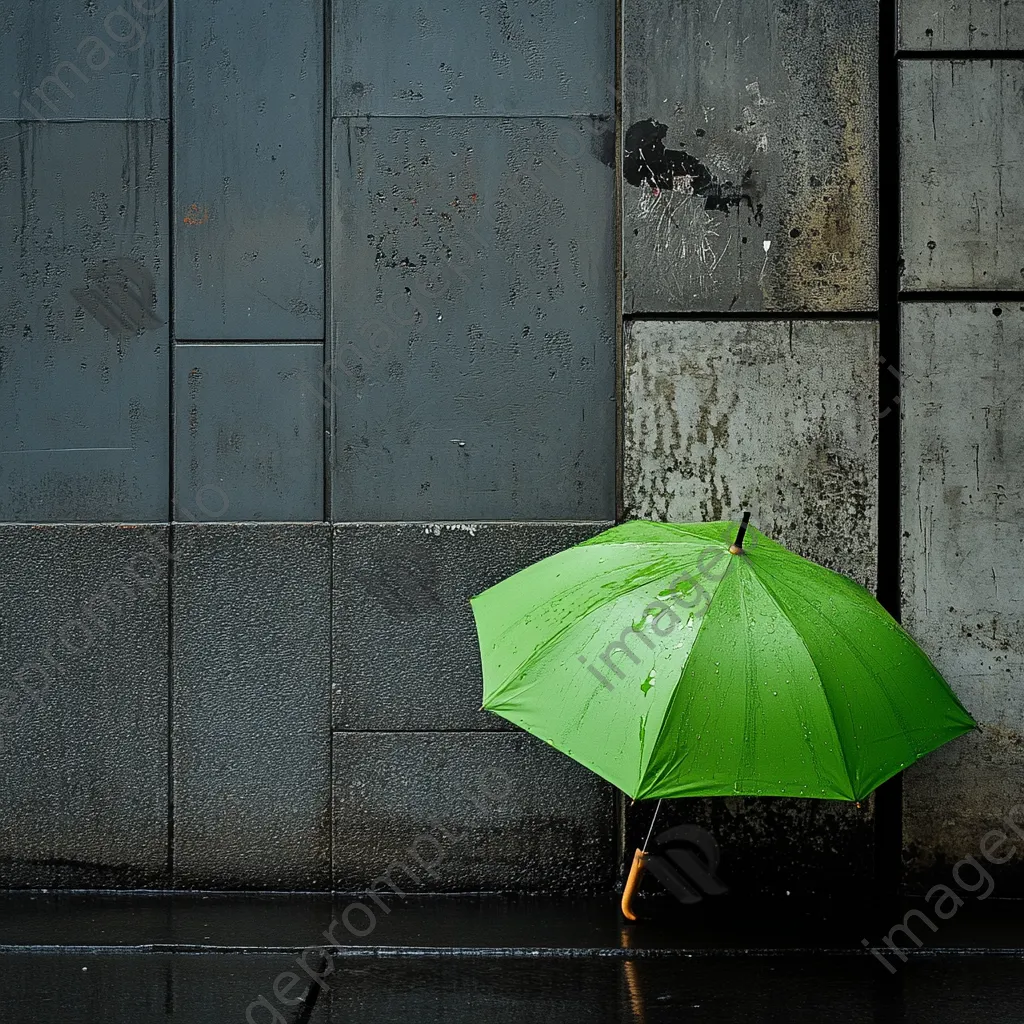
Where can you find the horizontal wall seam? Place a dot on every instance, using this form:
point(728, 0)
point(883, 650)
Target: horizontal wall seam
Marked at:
point(951, 55)
point(774, 317)
point(960, 295)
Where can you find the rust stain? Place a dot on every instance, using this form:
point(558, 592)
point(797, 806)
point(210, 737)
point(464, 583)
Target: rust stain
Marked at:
point(827, 261)
point(196, 215)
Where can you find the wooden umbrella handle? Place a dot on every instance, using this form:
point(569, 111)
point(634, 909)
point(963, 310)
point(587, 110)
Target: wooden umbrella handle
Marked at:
point(632, 884)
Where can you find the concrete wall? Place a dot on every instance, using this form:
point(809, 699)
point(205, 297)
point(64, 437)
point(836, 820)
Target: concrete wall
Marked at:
point(351, 362)
point(962, 485)
point(749, 157)
point(310, 338)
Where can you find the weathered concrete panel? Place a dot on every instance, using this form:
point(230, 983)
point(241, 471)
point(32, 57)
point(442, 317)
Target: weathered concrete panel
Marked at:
point(83, 706)
point(474, 356)
point(83, 322)
point(450, 59)
point(249, 441)
point(406, 654)
point(248, 158)
point(484, 811)
point(83, 61)
point(961, 25)
point(962, 135)
point(749, 155)
point(780, 418)
point(963, 548)
point(251, 707)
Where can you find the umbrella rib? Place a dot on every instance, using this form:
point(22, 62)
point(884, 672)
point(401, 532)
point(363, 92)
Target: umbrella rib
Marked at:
point(851, 645)
point(824, 690)
point(539, 652)
point(668, 707)
point(582, 586)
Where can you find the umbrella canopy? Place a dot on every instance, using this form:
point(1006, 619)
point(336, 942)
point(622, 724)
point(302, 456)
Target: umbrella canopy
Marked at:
point(672, 663)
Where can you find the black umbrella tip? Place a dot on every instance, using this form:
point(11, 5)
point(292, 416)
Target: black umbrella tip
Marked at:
point(737, 544)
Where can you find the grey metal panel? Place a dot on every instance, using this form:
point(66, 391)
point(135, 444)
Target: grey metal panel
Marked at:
point(251, 706)
point(961, 25)
point(963, 599)
point(962, 135)
point(83, 315)
point(249, 442)
point(405, 647)
point(761, 192)
point(473, 355)
point(780, 418)
point(248, 159)
point(76, 61)
point(482, 811)
point(455, 58)
point(83, 706)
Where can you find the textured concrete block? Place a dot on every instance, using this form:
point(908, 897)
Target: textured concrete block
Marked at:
point(465, 812)
point(249, 440)
point(963, 547)
point(961, 25)
point(251, 707)
point(455, 58)
point(248, 159)
point(962, 133)
point(474, 356)
point(83, 706)
point(749, 155)
point(405, 647)
point(83, 322)
point(780, 418)
point(79, 61)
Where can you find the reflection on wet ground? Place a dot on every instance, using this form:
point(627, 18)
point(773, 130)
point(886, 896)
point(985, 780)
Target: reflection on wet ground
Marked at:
point(82, 988)
point(209, 959)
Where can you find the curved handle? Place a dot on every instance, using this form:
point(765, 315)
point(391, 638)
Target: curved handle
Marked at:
point(632, 884)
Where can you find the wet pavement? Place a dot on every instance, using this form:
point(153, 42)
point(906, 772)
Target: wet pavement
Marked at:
point(195, 959)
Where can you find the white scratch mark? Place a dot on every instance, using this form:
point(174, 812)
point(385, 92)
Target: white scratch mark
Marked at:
point(39, 451)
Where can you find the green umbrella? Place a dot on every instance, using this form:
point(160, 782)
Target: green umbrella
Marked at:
point(673, 661)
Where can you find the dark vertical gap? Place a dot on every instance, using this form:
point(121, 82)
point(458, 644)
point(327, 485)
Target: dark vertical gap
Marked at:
point(328, 407)
point(171, 335)
point(617, 221)
point(889, 797)
point(171, 542)
point(328, 304)
point(619, 808)
point(330, 709)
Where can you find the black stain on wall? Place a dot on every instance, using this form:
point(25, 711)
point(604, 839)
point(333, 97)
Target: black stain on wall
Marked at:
point(646, 161)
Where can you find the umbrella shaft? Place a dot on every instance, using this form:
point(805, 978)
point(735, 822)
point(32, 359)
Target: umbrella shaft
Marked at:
point(651, 829)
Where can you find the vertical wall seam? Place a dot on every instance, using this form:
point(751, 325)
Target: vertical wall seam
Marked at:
point(328, 201)
point(171, 541)
point(889, 797)
point(170, 439)
point(328, 408)
point(618, 803)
